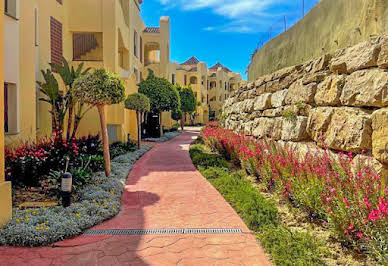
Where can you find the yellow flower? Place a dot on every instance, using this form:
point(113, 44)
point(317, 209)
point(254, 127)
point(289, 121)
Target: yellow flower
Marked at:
point(78, 215)
point(18, 221)
point(47, 228)
point(37, 228)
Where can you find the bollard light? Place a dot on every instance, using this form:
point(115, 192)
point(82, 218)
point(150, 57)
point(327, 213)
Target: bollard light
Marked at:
point(66, 187)
point(129, 138)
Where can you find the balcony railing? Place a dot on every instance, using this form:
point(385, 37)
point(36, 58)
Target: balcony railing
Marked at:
point(87, 47)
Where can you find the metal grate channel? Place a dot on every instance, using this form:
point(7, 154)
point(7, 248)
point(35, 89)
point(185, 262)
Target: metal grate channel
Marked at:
point(191, 231)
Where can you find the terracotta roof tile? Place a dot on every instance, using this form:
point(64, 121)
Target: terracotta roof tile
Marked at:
point(219, 65)
point(192, 61)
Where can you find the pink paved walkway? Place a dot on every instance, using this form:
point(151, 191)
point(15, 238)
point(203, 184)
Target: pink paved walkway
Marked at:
point(164, 190)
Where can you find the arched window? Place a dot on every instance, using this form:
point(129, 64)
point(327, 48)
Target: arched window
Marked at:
point(193, 80)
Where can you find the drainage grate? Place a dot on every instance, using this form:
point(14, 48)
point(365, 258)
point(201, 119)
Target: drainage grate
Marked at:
point(192, 231)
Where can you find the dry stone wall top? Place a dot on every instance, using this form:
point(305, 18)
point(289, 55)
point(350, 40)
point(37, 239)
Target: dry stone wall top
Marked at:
point(337, 101)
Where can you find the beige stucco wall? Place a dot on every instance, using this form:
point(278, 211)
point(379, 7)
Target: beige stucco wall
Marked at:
point(5, 187)
point(330, 25)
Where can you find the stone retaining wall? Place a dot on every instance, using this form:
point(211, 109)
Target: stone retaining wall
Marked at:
point(337, 101)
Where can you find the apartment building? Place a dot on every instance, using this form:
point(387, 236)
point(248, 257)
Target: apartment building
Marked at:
point(221, 82)
point(194, 73)
point(5, 187)
point(98, 33)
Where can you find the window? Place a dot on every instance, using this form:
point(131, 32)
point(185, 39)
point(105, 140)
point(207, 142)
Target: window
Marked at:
point(59, 1)
point(185, 80)
point(56, 41)
point(10, 8)
point(136, 72)
point(141, 50)
point(10, 108)
point(173, 79)
point(141, 76)
point(226, 87)
point(135, 43)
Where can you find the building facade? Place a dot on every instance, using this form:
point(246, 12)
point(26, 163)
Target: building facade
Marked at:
point(112, 35)
point(5, 187)
point(221, 82)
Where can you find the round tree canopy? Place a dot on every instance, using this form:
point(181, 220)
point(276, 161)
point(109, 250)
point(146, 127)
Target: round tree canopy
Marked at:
point(99, 88)
point(188, 101)
point(138, 102)
point(162, 95)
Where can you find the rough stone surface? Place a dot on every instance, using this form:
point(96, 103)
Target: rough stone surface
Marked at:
point(380, 135)
point(382, 61)
point(267, 128)
point(278, 98)
point(366, 88)
point(294, 129)
point(329, 91)
point(263, 102)
point(361, 56)
point(343, 129)
point(299, 93)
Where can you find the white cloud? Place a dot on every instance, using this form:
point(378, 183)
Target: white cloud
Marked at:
point(245, 16)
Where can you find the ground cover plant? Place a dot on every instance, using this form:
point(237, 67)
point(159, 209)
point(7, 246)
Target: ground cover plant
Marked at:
point(166, 137)
point(99, 200)
point(260, 214)
point(347, 197)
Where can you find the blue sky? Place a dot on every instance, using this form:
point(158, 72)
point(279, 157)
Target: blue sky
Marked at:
point(227, 31)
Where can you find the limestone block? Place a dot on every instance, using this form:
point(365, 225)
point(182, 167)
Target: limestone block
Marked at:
point(366, 88)
point(361, 56)
point(382, 61)
point(263, 102)
point(247, 127)
point(259, 82)
point(250, 85)
point(278, 98)
point(329, 91)
point(247, 106)
point(267, 127)
point(380, 135)
point(343, 128)
point(261, 89)
point(251, 94)
point(275, 112)
point(299, 93)
point(294, 129)
point(273, 86)
point(321, 63)
point(286, 72)
point(313, 77)
point(300, 109)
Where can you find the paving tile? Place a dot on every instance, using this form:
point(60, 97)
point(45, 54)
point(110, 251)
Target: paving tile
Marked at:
point(164, 190)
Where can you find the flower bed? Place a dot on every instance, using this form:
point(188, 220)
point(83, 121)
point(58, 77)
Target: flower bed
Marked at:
point(349, 199)
point(99, 200)
point(166, 137)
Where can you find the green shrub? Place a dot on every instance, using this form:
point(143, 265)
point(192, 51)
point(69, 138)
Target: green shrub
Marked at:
point(209, 160)
point(291, 248)
point(253, 208)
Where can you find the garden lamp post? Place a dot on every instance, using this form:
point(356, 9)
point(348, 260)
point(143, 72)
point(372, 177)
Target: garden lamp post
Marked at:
point(66, 187)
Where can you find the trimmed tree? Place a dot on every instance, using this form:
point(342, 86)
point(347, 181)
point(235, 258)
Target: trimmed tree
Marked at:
point(98, 89)
point(140, 103)
point(188, 102)
point(162, 94)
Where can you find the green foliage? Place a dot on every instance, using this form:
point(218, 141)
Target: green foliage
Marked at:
point(260, 214)
point(119, 148)
point(176, 115)
point(188, 101)
point(99, 88)
point(69, 74)
point(291, 248)
point(162, 95)
point(138, 102)
point(207, 160)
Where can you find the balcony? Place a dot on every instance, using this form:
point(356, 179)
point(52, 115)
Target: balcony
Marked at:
point(87, 47)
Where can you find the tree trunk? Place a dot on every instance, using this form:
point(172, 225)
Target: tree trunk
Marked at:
point(138, 118)
point(160, 124)
point(69, 120)
point(77, 121)
point(183, 121)
point(105, 139)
